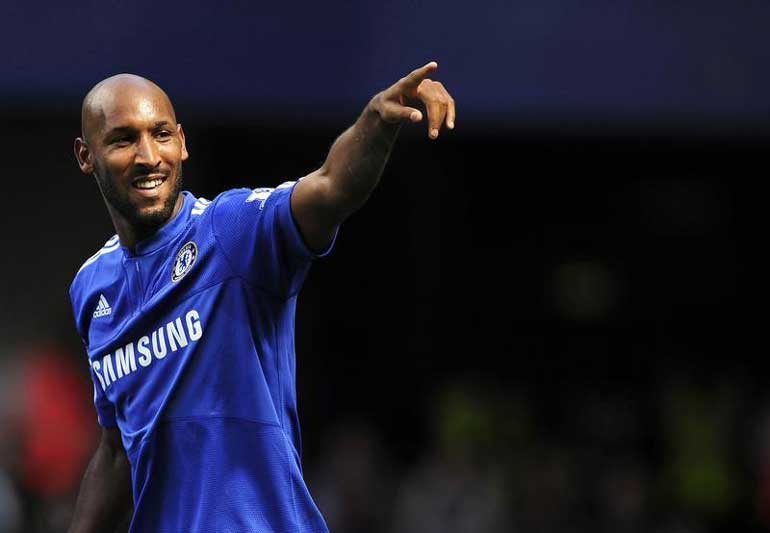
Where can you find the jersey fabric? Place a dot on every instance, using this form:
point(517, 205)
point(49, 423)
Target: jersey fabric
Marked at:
point(190, 340)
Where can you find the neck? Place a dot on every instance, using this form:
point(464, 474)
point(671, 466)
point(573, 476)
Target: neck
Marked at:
point(130, 233)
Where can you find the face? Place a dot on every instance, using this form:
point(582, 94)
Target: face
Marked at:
point(135, 149)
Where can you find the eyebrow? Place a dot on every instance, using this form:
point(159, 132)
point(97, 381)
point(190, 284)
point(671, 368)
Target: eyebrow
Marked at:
point(129, 129)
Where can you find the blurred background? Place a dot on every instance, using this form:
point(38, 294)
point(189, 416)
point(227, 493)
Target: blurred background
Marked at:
point(539, 323)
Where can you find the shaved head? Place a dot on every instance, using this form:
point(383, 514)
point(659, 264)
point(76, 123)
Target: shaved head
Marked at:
point(131, 143)
point(102, 97)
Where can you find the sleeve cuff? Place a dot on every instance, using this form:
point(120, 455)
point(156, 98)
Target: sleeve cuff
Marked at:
point(297, 241)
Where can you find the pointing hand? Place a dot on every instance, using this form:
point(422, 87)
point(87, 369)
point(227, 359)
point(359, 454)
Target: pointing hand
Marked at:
point(398, 102)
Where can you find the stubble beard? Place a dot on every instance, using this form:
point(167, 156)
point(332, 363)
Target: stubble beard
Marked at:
point(145, 223)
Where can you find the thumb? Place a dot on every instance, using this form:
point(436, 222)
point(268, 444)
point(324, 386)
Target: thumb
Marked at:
point(394, 112)
point(414, 115)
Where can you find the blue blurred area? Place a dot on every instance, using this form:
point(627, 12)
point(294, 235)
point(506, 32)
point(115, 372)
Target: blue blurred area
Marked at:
point(600, 59)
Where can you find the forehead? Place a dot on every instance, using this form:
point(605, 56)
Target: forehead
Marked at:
point(132, 106)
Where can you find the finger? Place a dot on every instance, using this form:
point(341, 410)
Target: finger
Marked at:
point(436, 114)
point(415, 115)
point(414, 78)
point(450, 114)
point(393, 112)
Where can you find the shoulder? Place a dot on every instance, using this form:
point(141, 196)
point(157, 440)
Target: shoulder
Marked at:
point(240, 198)
point(97, 265)
point(248, 206)
point(200, 206)
point(112, 244)
point(97, 268)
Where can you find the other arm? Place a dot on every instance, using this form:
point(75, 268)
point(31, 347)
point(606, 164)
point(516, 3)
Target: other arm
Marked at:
point(105, 492)
point(327, 196)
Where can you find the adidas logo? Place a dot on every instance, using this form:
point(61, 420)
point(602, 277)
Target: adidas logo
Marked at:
point(102, 308)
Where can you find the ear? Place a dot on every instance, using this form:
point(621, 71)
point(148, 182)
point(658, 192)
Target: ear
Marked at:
point(179, 130)
point(84, 156)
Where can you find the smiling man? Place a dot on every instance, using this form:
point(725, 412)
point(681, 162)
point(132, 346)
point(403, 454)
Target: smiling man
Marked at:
point(187, 314)
point(140, 184)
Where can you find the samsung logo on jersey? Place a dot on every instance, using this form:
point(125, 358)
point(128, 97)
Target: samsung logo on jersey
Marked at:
point(169, 338)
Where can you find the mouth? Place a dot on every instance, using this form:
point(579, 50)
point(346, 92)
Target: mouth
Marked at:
point(149, 183)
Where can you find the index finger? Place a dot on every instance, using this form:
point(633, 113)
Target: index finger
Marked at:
point(414, 78)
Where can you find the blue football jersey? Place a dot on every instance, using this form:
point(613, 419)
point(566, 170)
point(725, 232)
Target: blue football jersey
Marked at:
point(190, 340)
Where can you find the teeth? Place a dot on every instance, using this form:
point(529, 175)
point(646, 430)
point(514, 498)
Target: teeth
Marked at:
point(148, 184)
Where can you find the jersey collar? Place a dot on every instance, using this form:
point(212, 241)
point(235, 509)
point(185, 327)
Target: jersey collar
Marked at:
point(167, 231)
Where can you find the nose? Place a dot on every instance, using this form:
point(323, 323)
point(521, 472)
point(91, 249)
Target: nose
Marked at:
point(147, 152)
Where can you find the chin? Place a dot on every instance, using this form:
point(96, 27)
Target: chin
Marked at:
point(143, 212)
point(157, 215)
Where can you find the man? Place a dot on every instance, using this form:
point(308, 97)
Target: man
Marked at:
point(187, 314)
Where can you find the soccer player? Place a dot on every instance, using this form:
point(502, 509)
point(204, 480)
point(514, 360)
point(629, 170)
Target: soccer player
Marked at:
point(187, 314)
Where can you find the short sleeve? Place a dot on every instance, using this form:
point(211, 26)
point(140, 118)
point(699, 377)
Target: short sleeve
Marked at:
point(260, 238)
point(105, 411)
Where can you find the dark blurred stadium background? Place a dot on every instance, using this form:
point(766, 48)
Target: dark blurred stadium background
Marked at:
point(539, 323)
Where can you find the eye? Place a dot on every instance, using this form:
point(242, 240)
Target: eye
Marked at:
point(163, 135)
point(121, 141)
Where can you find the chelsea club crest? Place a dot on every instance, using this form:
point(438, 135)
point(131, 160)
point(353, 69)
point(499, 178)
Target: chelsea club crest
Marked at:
point(185, 259)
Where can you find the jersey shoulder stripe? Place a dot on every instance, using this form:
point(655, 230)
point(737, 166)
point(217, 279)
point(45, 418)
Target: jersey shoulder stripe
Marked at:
point(110, 246)
point(261, 194)
point(200, 206)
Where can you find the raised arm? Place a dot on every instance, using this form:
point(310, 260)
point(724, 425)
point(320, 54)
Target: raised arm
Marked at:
point(104, 500)
point(327, 196)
